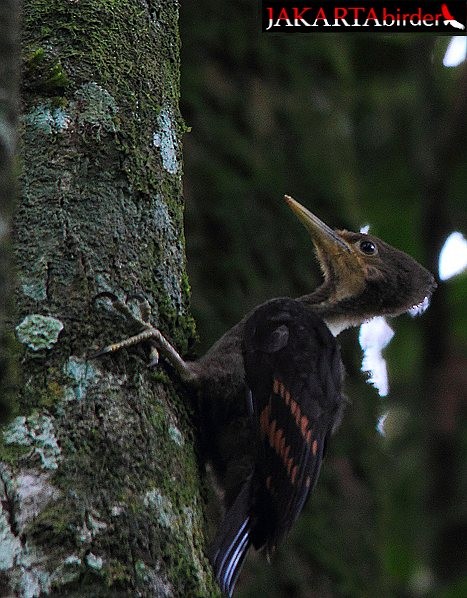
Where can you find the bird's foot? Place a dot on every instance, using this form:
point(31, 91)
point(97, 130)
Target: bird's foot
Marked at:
point(141, 321)
point(147, 334)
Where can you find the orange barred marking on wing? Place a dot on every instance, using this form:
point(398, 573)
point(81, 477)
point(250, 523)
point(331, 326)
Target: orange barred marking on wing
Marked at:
point(294, 408)
point(294, 474)
point(278, 440)
point(282, 446)
point(314, 447)
point(275, 435)
point(302, 421)
point(264, 420)
point(279, 389)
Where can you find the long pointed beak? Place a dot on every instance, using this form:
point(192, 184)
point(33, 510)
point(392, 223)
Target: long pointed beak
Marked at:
point(323, 236)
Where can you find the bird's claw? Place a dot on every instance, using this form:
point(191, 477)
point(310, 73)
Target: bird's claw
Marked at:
point(147, 334)
point(122, 307)
point(140, 322)
point(143, 306)
point(153, 356)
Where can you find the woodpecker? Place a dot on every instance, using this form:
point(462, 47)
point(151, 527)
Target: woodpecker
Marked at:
point(271, 387)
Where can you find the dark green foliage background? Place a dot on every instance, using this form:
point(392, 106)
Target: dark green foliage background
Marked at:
point(362, 129)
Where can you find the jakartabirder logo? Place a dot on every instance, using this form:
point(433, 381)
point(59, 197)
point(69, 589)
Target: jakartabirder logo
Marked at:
point(365, 15)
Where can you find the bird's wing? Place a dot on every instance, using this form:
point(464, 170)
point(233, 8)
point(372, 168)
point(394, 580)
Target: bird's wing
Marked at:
point(446, 14)
point(456, 24)
point(294, 372)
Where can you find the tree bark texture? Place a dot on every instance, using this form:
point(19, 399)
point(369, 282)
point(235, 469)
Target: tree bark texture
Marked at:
point(9, 85)
point(100, 483)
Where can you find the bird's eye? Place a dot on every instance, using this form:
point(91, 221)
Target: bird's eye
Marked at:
point(368, 247)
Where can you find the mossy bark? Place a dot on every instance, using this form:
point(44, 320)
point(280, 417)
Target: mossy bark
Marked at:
point(9, 87)
point(100, 479)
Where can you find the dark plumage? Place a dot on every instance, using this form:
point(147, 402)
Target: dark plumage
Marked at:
point(294, 376)
point(267, 451)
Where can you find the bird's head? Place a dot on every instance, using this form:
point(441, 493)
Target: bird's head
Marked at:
point(363, 276)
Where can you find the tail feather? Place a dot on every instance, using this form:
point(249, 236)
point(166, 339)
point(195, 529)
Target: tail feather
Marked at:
point(232, 542)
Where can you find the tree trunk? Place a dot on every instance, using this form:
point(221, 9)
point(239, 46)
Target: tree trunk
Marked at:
point(101, 484)
point(9, 84)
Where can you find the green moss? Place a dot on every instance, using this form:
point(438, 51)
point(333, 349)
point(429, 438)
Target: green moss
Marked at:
point(159, 376)
point(180, 327)
point(125, 436)
point(67, 571)
point(9, 375)
point(35, 57)
point(157, 419)
point(60, 102)
point(57, 79)
point(43, 71)
point(50, 396)
point(56, 525)
point(36, 432)
point(95, 27)
point(116, 572)
point(96, 109)
point(12, 453)
point(43, 394)
point(185, 284)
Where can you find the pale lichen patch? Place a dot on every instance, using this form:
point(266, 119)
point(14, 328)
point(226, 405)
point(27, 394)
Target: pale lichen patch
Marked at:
point(96, 109)
point(95, 525)
point(36, 431)
point(16, 432)
point(39, 332)
point(180, 523)
point(84, 534)
point(92, 109)
point(28, 578)
point(21, 499)
point(9, 542)
point(90, 528)
point(34, 580)
point(34, 280)
point(188, 517)
point(116, 510)
point(167, 271)
point(67, 571)
point(33, 492)
point(95, 562)
point(83, 375)
point(157, 584)
point(165, 138)
point(163, 507)
point(72, 560)
point(34, 288)
point(48, 119)
point(176, 435)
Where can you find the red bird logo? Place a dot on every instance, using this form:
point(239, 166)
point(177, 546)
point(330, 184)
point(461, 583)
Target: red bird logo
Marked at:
point(449, 19)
